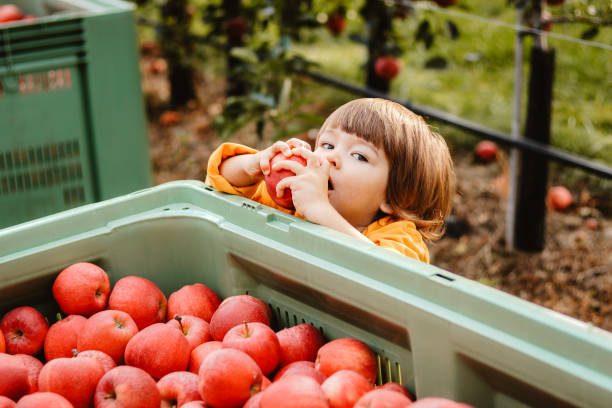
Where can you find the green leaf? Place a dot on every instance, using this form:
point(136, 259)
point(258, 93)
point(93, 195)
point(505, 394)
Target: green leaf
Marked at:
point(244, 54)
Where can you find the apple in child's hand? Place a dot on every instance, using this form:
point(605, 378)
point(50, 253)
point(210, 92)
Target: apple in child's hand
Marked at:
point(127, 387)
point(274, 176)
point(258, 340)
point(24, 330)
point(294, 391)
point(141, 299)
point(108, 331)
point(437, 402)
point(347, 354)
point(228, 378)
point(6, 402)
point(43, 400)
point(193, 300)
point(159, 350)
point(10, 12)
point(304, 368)
point(236, 310)
point(14, 380)
point(195, 330)
point(59, 376)
point(178, 388)
point(299, 343)
point(199, 353)
point(81, 288)
point(344, 388)
point(62, 337)
point(381, 398)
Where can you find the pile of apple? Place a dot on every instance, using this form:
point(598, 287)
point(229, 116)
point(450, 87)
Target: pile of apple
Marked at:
point(11, 13)
point(134, 348)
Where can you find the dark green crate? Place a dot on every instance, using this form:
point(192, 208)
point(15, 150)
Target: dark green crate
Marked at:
point(73, 127)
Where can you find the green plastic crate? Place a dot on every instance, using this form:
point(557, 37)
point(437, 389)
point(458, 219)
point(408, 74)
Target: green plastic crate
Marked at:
point(72, 121)
point(436, 332)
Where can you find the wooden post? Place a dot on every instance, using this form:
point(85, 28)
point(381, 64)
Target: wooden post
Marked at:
point(530, 213)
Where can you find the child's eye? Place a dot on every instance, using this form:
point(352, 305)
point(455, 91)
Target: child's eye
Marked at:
point(360, 157)
point(327, 146)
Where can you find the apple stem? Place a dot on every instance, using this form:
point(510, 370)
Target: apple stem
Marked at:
point(246, 329)
point(74, 352)
point(178, 318)
point(58, 316)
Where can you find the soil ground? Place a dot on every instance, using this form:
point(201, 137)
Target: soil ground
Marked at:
point(572, 275)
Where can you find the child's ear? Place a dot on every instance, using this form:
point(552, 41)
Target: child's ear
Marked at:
point(386, 208)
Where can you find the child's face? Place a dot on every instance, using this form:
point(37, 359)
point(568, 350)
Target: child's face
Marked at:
point(358, 173)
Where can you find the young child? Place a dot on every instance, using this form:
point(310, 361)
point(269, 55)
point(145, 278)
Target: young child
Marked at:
point(377, 173)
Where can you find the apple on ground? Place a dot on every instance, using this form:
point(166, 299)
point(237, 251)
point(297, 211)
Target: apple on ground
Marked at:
point(344, 388)
point(299, 343)
point(437, 402)
point(127, 387)
point(14, 380)
point(295, 391)
point(59, 375)
point(108, 331)
point(141, 299)
point(559, 198)
point(347, 354)
point(274, 176)
point(387, 67)
point(24, 330)
point(158, 349)
point(258, 340)
point(43, 400)
point(178, 388)
point(381, 398)
point(10, 12)
point(101, 357)
point(304, 368)
point(486, 150)
point(33, 365)
point(194, 300)
point(228, 378)
point(199, 353)
point(195, 329)
point(62, 337)
point(6, 402)
point(81, 288)
point(236, 310)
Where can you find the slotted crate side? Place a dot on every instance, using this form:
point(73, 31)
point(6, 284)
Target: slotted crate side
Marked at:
point(442, 336)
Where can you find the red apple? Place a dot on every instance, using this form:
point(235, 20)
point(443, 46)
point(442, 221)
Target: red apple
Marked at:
point(436, 402)
point(62, 337)
point(236, 28)
point(158, 349)
point(228, 378)
point(265, 382)
point(559, 198)
point(101, 357)
point(294, 391)
point(193, 300)
point(258, 340)
point(380, 398)
point(14, 381)
point(195, 404)
point(10, 12)
point(591, 223)
point(336, 24)
point(299, 343)
point(108, 331)
point(127, 387)
point(81, 288)
point(24, 330)
point(195, 330)
point(347, 354)
point(33, 365)
point(2, 343)
point(304, 368)
point(43, 400)
point(387, 67)
point(274, 176)
point(178, 388)
point(486, 150)
point(199, 353)
point(141, 299)
point(254, 401)
point(393, 386)
point(6, 402)
point(73, 378)
point(344, 388)
point(235, 310)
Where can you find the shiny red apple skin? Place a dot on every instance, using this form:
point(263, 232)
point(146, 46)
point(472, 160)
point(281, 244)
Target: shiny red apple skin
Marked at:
point(24, 330)
point(437, 402)
point(347, 354)
point(101, 357)
point(63, 336)
point(199, 353)
point(380, 398)
point(14, 380)
point(258, 340)
point(43, 400)
point(294, 391)
point(274, 176)
point(108, 331)
point(195, 329)
point(81, 288)
point(305, 368)
point(178, 388)
point(127, 387)
point(344, 388)
point(141, 299)
point(235, 310)
point(33, 365)
point(299, 343)
point(193, 300)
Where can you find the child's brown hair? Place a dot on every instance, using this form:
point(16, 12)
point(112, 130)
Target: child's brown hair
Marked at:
point(421, 181)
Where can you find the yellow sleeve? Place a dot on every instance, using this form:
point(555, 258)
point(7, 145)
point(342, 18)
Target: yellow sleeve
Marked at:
point(256, 192)
point(401, 236)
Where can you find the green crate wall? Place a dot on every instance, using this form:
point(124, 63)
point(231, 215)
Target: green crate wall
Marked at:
point(72, 121)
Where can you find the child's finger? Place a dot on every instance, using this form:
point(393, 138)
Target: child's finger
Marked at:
point(282, 147)
point(295, 143)
point(290, 165)
point(283, 185)
point(303, 152)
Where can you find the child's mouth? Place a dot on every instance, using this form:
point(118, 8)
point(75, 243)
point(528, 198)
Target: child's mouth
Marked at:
point(330, 186)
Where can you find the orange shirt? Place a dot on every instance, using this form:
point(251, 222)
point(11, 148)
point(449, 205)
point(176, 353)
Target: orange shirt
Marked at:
point(387, 232)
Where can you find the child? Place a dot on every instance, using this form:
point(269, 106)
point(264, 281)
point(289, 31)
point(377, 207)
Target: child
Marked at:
point(378, 173)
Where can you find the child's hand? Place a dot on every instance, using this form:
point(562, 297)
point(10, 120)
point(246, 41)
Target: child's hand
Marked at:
point(309, 186)
point(260, 162)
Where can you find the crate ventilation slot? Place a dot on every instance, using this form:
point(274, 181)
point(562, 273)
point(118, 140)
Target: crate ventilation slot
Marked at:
point(43, 166)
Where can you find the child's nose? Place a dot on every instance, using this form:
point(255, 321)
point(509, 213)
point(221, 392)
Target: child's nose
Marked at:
point(333, 160)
